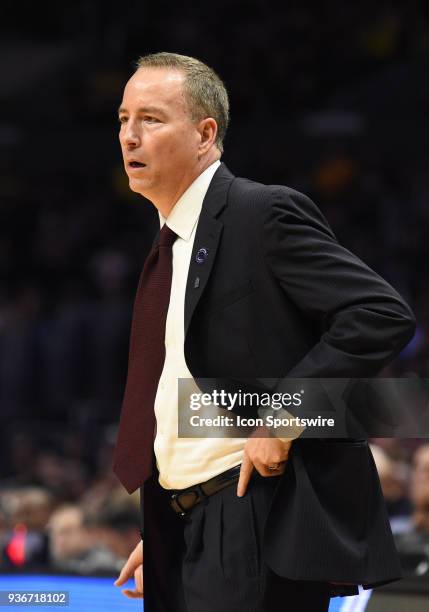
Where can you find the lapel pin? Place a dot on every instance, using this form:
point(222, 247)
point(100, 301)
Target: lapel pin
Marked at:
point(201, 255)
point(197, 282)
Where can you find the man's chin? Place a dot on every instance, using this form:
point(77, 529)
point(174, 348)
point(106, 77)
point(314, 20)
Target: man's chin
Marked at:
point(138, 186)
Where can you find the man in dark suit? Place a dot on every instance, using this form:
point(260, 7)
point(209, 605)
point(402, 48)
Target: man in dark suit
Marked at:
point(258, 288)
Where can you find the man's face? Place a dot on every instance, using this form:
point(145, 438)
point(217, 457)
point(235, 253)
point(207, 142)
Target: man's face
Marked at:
point(159, 141)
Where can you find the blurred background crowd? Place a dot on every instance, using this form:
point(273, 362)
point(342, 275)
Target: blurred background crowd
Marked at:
point(332, 101)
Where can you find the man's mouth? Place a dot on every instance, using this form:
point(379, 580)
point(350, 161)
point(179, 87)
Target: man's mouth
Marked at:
point(136, 164)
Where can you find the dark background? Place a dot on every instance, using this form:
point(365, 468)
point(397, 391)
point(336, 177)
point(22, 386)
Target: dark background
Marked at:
point(331, 99)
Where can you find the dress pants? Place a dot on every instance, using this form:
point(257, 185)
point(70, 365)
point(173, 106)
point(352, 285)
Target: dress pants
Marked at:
point(215, 562)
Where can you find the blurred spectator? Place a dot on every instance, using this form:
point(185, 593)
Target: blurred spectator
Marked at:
point(394, 477)
point(419, 489)
point(25, 513)
point(28, 506)
point(117, 522)
point(64, 477)
point(73, 546)
point(413, 546)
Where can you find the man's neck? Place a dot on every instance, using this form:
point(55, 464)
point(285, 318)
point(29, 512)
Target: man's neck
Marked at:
point(165, 205)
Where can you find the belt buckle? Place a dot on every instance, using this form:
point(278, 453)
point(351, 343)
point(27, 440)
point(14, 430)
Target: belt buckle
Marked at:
point(175, 501)
point(197, 491)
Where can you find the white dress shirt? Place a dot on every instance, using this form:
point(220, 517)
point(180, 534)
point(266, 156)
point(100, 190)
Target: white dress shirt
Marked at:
point(183, 462)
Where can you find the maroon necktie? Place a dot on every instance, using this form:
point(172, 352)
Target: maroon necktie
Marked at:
point(132, 461)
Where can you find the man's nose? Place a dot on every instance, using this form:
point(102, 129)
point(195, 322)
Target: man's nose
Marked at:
point(130, 136)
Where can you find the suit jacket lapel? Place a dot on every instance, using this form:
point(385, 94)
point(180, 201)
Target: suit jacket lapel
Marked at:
point(207, 236)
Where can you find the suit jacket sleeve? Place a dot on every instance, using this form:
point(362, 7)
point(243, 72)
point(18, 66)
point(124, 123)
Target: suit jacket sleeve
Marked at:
point(364, 322)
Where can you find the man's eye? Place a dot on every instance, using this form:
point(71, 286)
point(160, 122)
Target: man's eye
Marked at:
point(151, 119)
point(122, 119)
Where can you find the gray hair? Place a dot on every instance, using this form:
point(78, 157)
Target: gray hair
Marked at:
point(204, 91)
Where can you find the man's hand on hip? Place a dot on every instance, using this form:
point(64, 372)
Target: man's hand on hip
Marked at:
point(133, 567)
point(267, 455)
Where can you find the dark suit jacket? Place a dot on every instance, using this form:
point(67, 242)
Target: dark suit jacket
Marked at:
point(278, 297)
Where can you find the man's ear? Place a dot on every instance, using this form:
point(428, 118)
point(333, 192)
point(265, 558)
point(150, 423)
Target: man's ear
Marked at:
point(208, 132)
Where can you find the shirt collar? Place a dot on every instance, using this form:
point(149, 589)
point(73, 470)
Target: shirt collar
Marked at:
point(185, 212)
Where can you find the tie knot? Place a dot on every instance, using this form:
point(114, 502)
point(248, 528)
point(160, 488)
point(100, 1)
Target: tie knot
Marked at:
point(166, 236)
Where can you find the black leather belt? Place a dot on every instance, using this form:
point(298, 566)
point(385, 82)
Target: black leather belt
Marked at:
point(183, 500)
